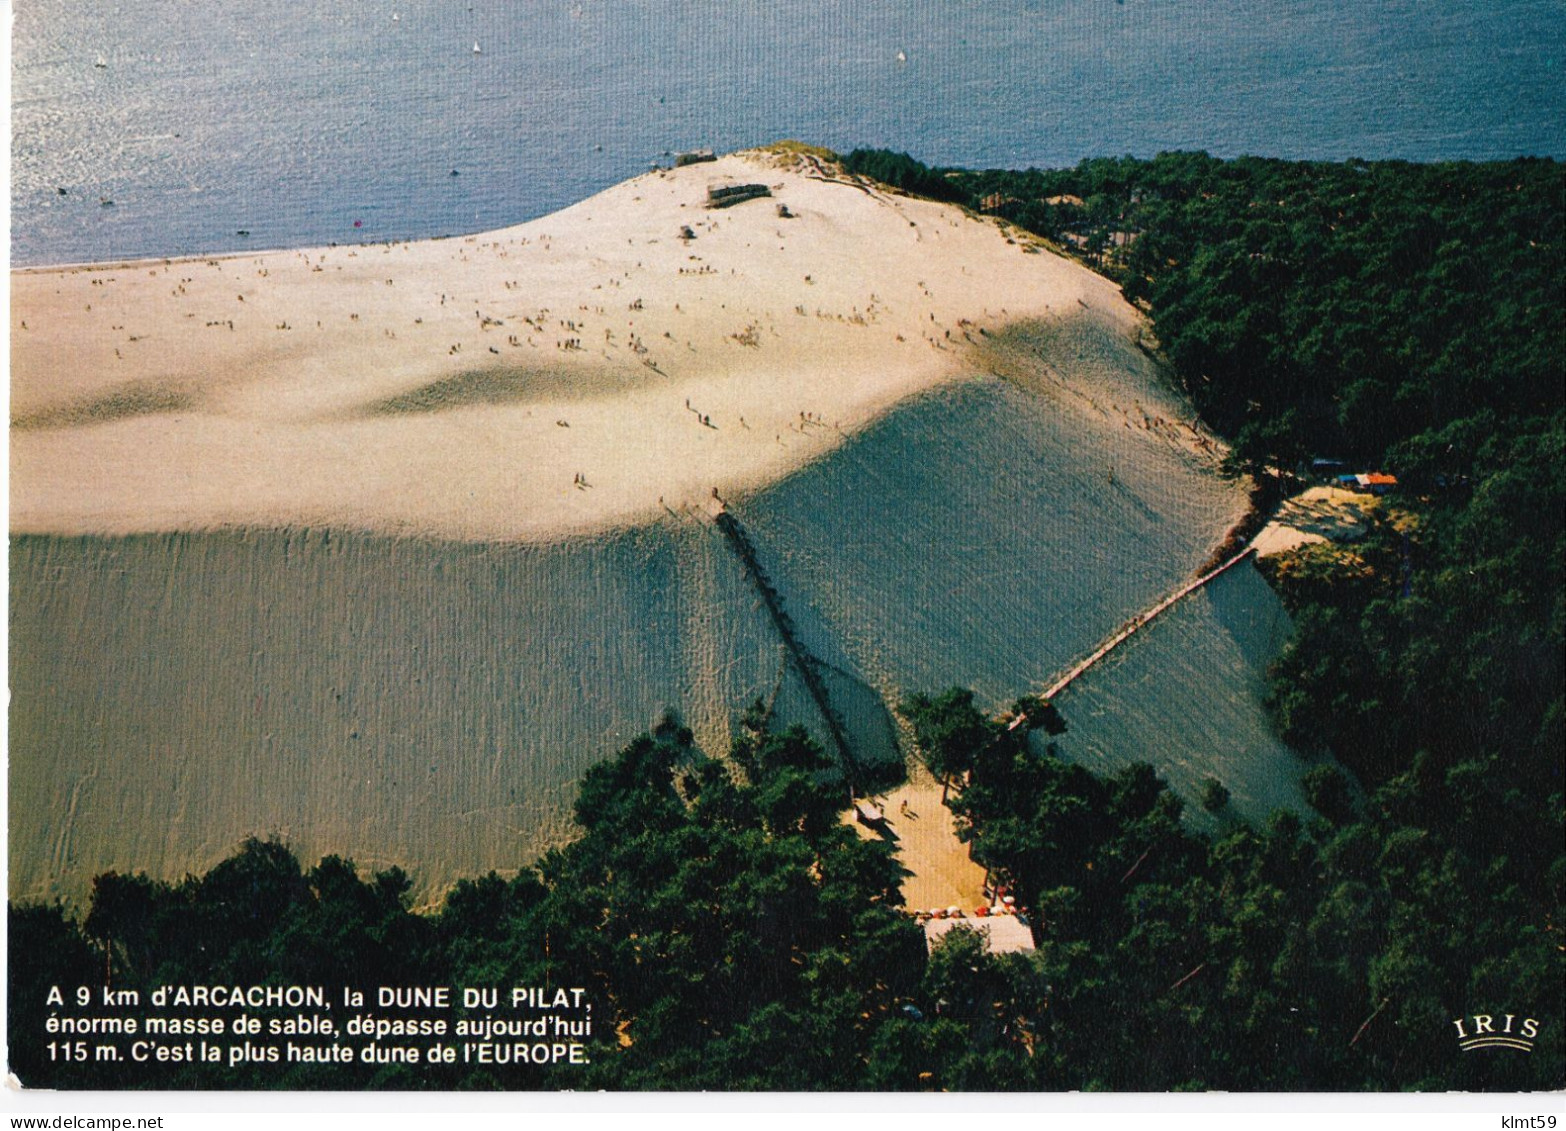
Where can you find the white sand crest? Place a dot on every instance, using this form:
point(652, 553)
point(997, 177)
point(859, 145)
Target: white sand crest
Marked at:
point(578, 372)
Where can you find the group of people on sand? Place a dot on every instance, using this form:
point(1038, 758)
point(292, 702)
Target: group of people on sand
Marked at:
point(700, 416)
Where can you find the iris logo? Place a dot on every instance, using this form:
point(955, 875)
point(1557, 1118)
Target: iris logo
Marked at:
point(1486, 1034)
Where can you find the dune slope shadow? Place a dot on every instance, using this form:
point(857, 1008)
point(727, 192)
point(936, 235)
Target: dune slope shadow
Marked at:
point(499, 386)
point(132, 399)
point(972, 538)
point(1187, 695)
point(977, 537)
point(396, 701)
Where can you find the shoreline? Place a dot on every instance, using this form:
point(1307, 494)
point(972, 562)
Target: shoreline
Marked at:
point(203, 256)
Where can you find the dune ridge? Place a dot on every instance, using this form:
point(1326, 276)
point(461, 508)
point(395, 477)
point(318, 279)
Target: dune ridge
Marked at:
point(567, 375)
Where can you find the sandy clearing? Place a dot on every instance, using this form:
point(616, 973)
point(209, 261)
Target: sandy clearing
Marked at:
point(1317, 514)
point(924, 833)
point(553, 378)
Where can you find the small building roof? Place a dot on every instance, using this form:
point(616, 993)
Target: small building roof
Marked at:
point(1002, 934)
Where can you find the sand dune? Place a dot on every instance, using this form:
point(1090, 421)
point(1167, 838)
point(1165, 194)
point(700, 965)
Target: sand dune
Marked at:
point(459, 387)
point(377, 548)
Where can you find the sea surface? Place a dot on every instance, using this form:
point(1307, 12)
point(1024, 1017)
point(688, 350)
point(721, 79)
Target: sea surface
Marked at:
point(368, 120)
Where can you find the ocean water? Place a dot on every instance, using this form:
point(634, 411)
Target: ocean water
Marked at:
point(304, 124)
